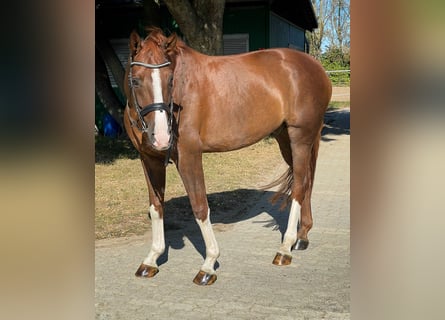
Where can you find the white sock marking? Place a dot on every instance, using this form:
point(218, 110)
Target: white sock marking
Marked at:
point(158, 241)
point(290, 236)
point(212, 249)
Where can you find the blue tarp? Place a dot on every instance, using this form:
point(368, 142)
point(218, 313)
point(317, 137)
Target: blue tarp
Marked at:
point(110, 126)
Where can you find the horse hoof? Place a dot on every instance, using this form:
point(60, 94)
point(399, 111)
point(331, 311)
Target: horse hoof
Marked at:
point(301, 244)
point(146, 271)
point(282, 259)
point(204, 278)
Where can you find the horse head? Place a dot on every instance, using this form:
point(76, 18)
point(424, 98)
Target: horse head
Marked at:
point(149, 89)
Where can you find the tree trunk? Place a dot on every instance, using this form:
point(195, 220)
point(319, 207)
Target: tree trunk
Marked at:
point(201, 22)
point(323, 11)
point(105, 92)
point(152, 13)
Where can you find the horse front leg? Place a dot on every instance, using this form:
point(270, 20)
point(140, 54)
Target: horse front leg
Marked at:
point(154, 170)
point(207, 274)
point(191, 171)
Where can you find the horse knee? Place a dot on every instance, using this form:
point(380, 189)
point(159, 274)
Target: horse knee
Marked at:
point(201, 212)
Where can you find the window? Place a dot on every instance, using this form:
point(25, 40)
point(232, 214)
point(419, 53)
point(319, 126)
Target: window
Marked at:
point(236, 43)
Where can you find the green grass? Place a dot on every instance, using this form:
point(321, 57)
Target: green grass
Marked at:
point(335, 105)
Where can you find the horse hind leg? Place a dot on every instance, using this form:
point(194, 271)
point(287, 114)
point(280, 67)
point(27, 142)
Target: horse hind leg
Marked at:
point(306, 221)
point(284, 183)
point(304, 152)
point(282, 137)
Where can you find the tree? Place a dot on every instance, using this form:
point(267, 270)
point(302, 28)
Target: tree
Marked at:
point(335, 58)
point(322, 10)
point(152, 13)
point(332, 36)
point(340, 24)
point(201, 22)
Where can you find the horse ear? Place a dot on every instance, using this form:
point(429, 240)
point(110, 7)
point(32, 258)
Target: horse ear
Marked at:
point(170, 44)
point(135, 43)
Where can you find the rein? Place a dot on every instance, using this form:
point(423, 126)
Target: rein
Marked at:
point(158, 106)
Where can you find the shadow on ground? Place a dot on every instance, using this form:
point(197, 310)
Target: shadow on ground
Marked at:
point(336, 122)
point(107, 150)
point(227, 209)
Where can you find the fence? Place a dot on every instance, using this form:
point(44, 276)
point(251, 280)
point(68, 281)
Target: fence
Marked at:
point(340, 78)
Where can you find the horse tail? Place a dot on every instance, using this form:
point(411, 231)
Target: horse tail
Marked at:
point(313, 162)
point(285, 182)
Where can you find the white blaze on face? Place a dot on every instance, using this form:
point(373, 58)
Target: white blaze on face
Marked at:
point(157, 87)
point(161, 134)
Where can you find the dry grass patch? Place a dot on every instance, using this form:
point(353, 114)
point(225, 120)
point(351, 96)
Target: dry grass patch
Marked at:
point(121, 191)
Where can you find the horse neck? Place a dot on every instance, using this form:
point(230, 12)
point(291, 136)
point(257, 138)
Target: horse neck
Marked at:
point(185, 72)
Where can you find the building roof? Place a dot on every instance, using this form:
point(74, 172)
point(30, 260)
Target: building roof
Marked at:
point(299, 12)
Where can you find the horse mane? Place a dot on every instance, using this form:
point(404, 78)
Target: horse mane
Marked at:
point(170, 44)
point(155, 33)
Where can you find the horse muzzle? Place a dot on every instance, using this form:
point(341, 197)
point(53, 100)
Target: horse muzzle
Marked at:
point(160, 140)
point(159, 129)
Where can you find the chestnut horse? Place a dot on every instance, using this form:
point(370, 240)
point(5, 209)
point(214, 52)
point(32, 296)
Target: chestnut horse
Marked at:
point(182, 103)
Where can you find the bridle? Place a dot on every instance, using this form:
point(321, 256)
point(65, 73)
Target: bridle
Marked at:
point(158, 106)
point(143, 111)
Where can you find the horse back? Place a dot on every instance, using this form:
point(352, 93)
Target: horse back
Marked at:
point(246, 97)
